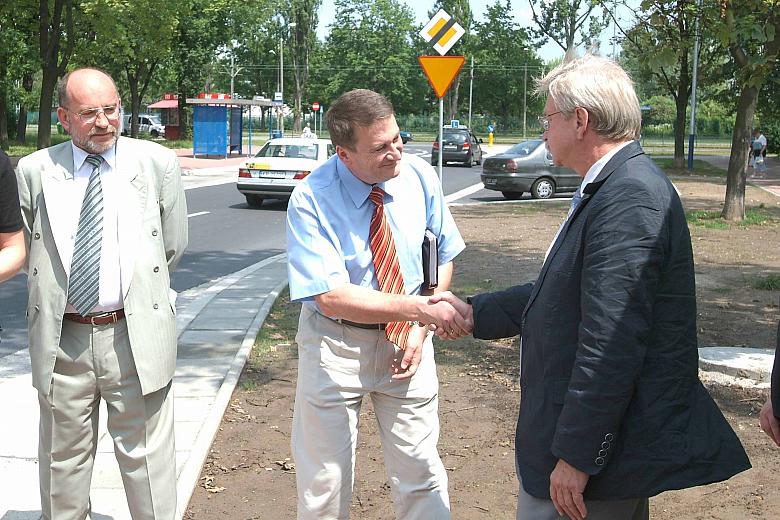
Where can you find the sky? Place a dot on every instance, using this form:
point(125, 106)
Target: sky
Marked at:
point(520, 8)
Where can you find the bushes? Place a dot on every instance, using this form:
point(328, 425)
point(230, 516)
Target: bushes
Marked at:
point(772, 133)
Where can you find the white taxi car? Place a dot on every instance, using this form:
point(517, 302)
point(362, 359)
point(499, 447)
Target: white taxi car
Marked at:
point(279, 166)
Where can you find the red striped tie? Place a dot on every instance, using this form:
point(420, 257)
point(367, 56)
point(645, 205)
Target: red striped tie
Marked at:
point(388, 270)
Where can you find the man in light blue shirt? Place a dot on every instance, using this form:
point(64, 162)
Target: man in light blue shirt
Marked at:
point(344, 351)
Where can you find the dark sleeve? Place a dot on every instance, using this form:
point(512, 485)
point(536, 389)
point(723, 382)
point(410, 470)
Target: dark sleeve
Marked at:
point(499, 314)
point(621, 266)
point(776, 378)
point(10, 213)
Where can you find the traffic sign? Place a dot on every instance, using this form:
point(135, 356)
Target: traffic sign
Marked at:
point(442, 32)
point(490, 129)
point(278, 96)
point(441, 71)
point(315, 106)
point(454, 123)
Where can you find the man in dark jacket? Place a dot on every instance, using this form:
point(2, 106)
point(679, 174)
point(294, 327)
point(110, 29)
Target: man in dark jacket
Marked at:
point(612, 409)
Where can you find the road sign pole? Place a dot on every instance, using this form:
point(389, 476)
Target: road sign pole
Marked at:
point(441, 140)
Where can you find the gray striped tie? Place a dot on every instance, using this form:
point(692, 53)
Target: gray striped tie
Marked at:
point(84, 284)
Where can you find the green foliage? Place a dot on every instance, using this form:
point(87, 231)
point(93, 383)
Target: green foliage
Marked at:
point(713, 220)
point(766, 283)
point(772, 133)
point(700, 167)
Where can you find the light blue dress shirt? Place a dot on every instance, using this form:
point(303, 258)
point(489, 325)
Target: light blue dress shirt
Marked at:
point(328, 220)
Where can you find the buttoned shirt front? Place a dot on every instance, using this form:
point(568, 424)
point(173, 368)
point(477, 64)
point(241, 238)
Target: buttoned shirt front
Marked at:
point(110, 280)
point(328, 221)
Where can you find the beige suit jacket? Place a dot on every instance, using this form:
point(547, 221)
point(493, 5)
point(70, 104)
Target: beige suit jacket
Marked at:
point(152, 239)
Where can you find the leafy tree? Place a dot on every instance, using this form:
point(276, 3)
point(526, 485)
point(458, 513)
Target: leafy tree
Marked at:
point(563, 21)
point(505, 56)
point(750, 30)
point(304, 15)
point(460, 11)
point(57, 36)
point(370, 46)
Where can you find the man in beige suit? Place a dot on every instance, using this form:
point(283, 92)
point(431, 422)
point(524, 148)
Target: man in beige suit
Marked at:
point(105, 222)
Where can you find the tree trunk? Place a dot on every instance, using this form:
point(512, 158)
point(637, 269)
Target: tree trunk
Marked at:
point(50, 75)
point(21, 127)
point(681, 102)
point(3, 121)
point(135, 104)
point(453, 104)
point(734, 206)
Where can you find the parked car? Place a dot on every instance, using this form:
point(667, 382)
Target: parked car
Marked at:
point(147, 124)
point(460, 145)
point(528, 167)
point(279, 166)
point(406, 136)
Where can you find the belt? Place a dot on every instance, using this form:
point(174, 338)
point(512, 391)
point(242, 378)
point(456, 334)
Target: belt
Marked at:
point(369, 326)
point(100, 318)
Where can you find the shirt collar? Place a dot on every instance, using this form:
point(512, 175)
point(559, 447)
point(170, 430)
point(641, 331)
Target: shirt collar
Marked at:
point(79, 156)
point(359, 190)
point(594, 170)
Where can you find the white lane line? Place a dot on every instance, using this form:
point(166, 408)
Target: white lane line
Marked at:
point(199, 213)
point(465, 192)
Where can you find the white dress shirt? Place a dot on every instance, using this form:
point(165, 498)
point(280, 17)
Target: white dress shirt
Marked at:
point(110, 280)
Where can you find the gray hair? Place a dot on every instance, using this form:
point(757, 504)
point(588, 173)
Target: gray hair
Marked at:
point(359, 107)
point(62, 86)
point(600, 86)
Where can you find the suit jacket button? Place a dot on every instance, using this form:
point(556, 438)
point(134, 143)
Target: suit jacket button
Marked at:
point(156, 306)
point(599, 461)
point(154, 233)
point(608, 437)
point(605, 445)
point(35, 271)
point(602, 453)
point(37, 236)
point(156, 269)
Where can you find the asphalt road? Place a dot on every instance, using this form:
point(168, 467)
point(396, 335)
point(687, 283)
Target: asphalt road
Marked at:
point(226, 236)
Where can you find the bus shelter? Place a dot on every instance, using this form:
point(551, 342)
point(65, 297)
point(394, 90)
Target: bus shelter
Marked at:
point(217, 125)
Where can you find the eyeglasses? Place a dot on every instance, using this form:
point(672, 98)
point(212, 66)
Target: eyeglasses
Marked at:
point(90, 115)
point(545, 120)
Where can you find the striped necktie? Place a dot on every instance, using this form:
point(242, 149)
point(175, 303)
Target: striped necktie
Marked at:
point(84, 283)
point(386, 266)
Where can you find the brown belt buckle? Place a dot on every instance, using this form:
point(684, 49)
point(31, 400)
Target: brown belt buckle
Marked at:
point(111, 315)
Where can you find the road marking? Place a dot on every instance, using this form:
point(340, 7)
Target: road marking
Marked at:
point(465, 192)
point(199, 213)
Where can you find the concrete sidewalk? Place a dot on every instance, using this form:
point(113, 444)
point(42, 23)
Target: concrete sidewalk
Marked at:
point(217, 325)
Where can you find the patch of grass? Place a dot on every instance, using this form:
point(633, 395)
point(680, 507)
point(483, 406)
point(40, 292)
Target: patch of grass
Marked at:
point(766, 283)
point(699, 168)
point(758, 216)
point(280, 326)
point(722, 290)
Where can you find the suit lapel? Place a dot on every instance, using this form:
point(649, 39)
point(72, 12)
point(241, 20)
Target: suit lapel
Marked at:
point(131, 204)
point(63, 213)
point(628, 152)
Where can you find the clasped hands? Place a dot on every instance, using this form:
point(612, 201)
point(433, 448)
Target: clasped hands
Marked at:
point(448, 316)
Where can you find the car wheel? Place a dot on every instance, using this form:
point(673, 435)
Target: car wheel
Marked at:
point(254, 201)
point(543, 188)
point(480, 159)
point(469, 161)
point(512, 195)
point(404, 140)
point(155, 134)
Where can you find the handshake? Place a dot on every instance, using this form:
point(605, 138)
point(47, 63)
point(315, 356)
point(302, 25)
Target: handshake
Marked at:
point(446, 315)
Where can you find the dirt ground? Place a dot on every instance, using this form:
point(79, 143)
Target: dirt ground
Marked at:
point(249, 474)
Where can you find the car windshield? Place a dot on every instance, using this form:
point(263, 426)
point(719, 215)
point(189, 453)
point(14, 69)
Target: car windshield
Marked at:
point(458, 137)
point(155, 120)
point(293, 151)
point(524, 148)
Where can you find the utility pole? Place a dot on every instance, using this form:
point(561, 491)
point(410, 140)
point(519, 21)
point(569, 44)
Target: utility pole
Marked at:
point(693, 90)
point(281, 80)
point(471, 87)
point(525, 88)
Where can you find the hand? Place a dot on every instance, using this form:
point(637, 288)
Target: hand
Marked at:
point(410, 357)
point(464, 309)
point(769, 422)
point(567, 484)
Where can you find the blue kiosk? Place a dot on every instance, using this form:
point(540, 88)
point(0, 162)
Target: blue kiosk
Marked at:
point(217, 124)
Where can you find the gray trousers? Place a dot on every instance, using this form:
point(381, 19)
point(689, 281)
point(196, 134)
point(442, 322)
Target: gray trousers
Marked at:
point(532, 508)
point(94, 363)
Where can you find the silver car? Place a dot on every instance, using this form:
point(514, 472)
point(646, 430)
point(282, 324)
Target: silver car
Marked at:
point(528, 167)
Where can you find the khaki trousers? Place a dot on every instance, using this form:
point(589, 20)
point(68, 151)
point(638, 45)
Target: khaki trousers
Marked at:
point(95, 362)
point(337, 366)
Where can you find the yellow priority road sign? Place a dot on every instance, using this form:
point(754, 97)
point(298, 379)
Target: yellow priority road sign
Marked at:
point(441, 71)
point(442, 32)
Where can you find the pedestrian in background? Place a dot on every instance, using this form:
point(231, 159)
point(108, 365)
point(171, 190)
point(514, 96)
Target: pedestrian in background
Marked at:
point(105, 221)
point(355, 229)
point(612, 410)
